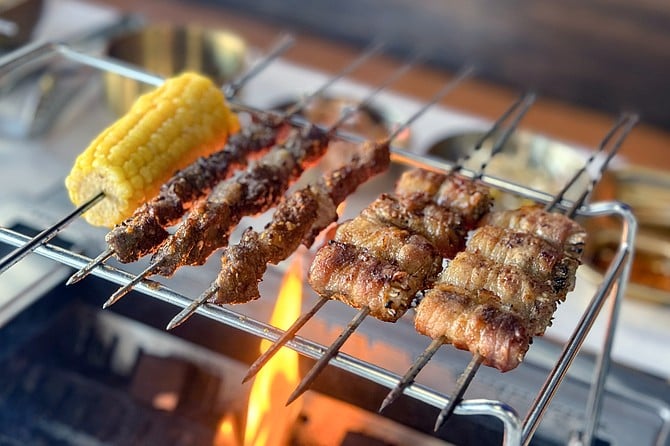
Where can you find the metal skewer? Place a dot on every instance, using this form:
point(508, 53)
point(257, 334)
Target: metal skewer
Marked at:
point(183, 315)
point(46, 235)
point(626, 124)
point(516, 111)
point(187, 312)
point(230, 90)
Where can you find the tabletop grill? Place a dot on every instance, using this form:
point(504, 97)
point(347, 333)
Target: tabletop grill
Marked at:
point(519, 424)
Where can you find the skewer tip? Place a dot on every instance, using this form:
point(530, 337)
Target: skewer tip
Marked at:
point(187, 312)
point(302, 388)
point(114, 298)
point(90, 266)
point(76, 277)
point(390, 398)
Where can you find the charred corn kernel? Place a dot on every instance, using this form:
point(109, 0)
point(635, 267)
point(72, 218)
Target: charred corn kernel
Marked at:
point(165, 130)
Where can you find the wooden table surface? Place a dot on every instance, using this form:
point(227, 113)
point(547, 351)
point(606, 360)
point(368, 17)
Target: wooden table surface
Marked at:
point(647, 145)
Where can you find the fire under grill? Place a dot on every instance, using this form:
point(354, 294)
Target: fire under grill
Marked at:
point(517, 404)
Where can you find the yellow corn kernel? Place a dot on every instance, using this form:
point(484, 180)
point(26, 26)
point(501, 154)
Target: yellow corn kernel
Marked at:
point(165, 130)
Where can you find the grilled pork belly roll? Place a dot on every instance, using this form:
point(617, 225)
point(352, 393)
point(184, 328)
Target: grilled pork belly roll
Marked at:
point(553, 227)
point(358, 278)
point(470, 198)
point(474, 321)
point(529, 252)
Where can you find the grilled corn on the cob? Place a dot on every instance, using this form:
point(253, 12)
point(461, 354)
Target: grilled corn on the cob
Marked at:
point(165, 130)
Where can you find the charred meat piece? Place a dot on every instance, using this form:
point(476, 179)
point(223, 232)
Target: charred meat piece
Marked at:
point(529, 252)
point(412, 253)
point(255, 190)
point(534, 300)
point(300, 217)
point(442, 227)
point(243, 265)
point(474, 321)
point(555, 228)
point(472, 199)
point(145, 230)
point(360, 279)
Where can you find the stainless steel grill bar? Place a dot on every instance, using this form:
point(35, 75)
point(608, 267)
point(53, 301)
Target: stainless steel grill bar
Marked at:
point(619, 264)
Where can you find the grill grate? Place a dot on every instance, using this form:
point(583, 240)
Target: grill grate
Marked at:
point(518, 430)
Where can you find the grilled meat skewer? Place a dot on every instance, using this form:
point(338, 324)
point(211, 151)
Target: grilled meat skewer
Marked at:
point(390, 241)
point(298, 219)
point(255, 190)
point(529, 252)
point(551, 226)
point(512, 287)
point(144, 232)
point(473, 320)
point(470, 199)
point(442, 227)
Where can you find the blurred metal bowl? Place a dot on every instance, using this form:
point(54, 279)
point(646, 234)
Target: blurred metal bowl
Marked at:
point(650, 272)
point(528, 159)
point(169, 50)
point(647, 192)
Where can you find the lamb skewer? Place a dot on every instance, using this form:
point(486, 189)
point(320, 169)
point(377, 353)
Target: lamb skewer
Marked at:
point(144, 232)
point(256, 190)
point(298, 219)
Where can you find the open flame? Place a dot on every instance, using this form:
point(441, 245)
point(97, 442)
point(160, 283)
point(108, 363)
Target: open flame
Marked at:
point(268, 419)
point(227, 433)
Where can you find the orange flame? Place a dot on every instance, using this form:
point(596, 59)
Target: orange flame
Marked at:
point(227, 433)
point(268, 420)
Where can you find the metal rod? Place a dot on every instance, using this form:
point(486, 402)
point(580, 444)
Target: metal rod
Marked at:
point(13, 257)
point(279, 343)
point(397, 74)
point(601, 147)
point(461, 386)
point(575, 342)
point(604, 359)
point(323, 361)
point(128, 287)
point(283, 44)
point(525, 104)
point(350, 68)
point(85, 271)
point(409, 376)
point(494, 128)
point(631, 122)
